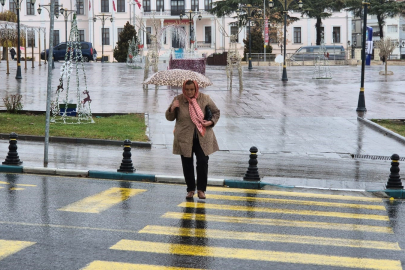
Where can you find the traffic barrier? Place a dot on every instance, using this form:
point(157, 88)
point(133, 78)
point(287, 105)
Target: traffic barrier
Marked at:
point(126, 165)
point(12, 156)
point(252, 173)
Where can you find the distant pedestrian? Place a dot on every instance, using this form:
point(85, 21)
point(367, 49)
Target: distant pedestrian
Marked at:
point(94, 54)
point(193, 134)
point(13, 53)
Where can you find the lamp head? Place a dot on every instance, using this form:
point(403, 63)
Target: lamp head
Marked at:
point(57, 15)
point(2, 2)
point(181, 15)
point(199, 17)
point(111, 19)
point(39, 9)
point(62, 10)
point(94, 19)
point(237, 12)
point(300, 4)
point(32, 2)
point(348, 43)
point(271, 4)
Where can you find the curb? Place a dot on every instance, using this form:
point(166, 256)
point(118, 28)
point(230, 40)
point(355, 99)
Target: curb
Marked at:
point(382, 130)
point(4, 136)
point(111, 175)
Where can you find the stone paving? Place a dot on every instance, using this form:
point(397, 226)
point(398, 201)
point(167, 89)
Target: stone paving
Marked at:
point(305, 129)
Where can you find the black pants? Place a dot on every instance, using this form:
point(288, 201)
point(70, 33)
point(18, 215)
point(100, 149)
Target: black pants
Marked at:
point(202, 168)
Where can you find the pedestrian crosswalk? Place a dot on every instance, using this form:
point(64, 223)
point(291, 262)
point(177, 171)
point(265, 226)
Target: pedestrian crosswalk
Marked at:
point(227, 213)
point(238, 228)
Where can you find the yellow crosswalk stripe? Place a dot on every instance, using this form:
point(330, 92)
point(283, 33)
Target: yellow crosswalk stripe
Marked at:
point(258, 255)
point(270, 237)
point(8, 247)
point(295, 194)
point(23, 185)
point(102, 201)
point(282, 211)
point(106, 265)
point(301, 202)
point(281, 222)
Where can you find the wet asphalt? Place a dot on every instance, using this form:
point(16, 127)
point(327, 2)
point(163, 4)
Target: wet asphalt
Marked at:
point(64, 224)
point(306, 129)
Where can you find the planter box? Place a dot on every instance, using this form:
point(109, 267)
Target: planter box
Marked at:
point(70, 110)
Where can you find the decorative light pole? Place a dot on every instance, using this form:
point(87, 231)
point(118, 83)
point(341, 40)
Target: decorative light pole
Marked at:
point(103, 17)
point(56, 13)
point(66, 13)
point(286, 4)
point(18, 6)
point(253, 13)
point(190, 15)
point(361, 105)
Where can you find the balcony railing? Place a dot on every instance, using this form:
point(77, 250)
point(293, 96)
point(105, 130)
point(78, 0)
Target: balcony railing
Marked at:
point(151, 13)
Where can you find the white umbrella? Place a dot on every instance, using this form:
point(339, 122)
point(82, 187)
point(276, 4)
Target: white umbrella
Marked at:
point(177, 77)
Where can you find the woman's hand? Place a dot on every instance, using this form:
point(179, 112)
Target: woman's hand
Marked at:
point(175, 105)
point(206, 123)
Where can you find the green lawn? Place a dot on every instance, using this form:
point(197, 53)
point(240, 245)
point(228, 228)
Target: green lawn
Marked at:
point(398, 126)
point(117, 127)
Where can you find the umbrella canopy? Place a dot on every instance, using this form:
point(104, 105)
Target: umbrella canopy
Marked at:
point(176, 77)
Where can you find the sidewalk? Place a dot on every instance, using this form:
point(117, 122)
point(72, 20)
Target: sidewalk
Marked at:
point(305, 130)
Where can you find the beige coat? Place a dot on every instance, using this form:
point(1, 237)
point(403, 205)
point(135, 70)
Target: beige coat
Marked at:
point(184, 128)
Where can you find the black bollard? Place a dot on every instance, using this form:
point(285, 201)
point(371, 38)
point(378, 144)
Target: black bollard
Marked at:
point(126, 165)
point(252, 173)
point(12, 156)
point(394, 180)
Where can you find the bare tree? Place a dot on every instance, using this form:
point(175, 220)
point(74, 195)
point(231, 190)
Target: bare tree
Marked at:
point(386, 46)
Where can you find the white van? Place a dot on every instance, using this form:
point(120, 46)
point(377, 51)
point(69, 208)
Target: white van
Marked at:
point(308, 53)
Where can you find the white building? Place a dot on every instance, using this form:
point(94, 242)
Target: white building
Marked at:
point(337, 29)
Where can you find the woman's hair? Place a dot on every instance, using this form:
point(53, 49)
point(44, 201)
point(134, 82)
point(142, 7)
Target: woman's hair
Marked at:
point(189, 82)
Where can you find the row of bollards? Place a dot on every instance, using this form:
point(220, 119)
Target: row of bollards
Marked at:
point(252, 173)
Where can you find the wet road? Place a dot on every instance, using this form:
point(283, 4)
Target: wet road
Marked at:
point(305, 130)
point(68, 223)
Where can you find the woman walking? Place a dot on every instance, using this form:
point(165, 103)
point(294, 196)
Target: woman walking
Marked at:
point(193, 134)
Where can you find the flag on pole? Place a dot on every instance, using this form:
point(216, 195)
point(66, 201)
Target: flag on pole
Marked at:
point(89, 5)
point(114, 6)
point(139, 4)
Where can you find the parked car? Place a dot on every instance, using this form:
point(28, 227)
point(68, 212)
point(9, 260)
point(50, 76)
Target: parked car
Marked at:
point(308, 53)
point(59, 51)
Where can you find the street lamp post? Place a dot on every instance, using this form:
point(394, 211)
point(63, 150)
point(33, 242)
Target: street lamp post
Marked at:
point(253, 13)
point(18, 6)
point(190, 15)
point(286, 4)
point(361, 105)
point(103, 17)
point(66, 13)
point(56, 13)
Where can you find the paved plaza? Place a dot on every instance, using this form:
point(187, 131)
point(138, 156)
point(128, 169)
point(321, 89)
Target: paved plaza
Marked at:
point(306, 129)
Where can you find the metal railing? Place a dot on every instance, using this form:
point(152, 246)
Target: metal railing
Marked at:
point(259, 57)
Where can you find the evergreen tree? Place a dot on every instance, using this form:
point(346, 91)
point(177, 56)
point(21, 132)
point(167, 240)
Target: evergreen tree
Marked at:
point(121, 49)
point(257, 42)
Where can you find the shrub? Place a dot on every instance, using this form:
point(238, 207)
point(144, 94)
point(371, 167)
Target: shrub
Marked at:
point(13, 103)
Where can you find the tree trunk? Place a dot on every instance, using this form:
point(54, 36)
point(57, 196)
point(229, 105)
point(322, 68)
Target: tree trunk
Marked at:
point(386, 67)
point(318, 26)
point(381, 22)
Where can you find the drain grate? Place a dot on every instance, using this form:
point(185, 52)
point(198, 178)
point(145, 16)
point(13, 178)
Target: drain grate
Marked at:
point(375, 157)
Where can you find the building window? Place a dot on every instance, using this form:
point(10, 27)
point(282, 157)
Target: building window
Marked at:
point(55, 37)
point(80, 7)
point(30, 8)
point(297, 34)
point(148, 33)
point(177, 6)
point(120, 5)
point(119, 30)
point(336, 35)
point(81, 35)
point(235, 32)
point(105, 6)
point(12, 6)
point(194, 5)
point(392, 28)
point(106, 36)
point(160, 5)
point(207, 4)
point(30, 38)
point(146, 5)
point(208, 34)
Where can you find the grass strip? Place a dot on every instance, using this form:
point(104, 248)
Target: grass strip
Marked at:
point(116, 127)
point(395, 125)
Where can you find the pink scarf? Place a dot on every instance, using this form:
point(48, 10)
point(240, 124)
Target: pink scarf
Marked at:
point(197, 116)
